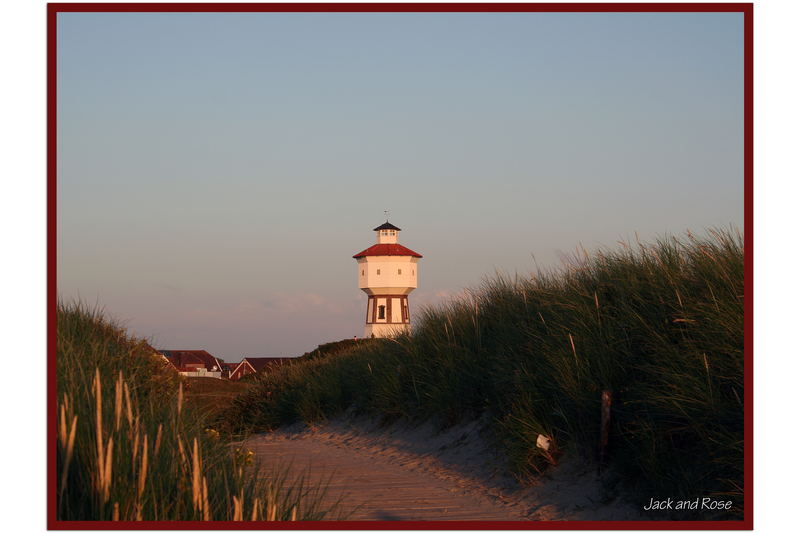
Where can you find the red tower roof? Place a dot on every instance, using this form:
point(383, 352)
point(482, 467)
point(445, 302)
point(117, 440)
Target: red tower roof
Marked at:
point(387, 249)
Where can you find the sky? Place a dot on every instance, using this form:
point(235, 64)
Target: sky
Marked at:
point(216, 172)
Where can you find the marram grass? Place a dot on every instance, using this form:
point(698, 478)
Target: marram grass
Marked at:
point(129, 448)
point(661, 327)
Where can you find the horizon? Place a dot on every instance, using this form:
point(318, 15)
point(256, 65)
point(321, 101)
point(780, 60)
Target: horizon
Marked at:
point(216, 172)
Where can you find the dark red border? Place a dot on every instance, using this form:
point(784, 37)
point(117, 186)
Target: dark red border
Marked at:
point(748, 264)
point(52, 293)
point(396, 7)
point(53, 8)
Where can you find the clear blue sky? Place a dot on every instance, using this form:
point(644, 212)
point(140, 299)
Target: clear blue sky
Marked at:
point(216, 172)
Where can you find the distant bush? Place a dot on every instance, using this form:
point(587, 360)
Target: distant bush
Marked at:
point(129, 449)
point(331, 348)
point(660, 326)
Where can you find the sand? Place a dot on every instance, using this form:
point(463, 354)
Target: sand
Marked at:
point(407, 472)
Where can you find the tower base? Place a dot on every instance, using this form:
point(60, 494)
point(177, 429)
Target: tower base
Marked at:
point(387, 315)
point(380, 331)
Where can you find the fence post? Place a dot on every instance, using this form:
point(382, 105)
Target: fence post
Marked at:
point(605, 422)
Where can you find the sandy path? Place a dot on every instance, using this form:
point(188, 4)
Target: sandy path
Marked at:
point(418, 473)
point(375, 489)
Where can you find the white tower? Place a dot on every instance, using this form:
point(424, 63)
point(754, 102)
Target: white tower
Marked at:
point(387, 272)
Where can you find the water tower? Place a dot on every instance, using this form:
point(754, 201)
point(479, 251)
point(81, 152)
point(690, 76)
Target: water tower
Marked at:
point(387, 272)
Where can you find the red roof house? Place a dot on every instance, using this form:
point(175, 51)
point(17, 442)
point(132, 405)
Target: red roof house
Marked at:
point(228, 368)
point(193, 362)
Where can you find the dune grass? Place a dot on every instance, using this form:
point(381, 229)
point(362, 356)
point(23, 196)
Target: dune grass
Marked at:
point(130, 448)
point(660, 327)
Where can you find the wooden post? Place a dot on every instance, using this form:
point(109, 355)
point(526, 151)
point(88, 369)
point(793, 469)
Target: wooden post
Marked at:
point(605, 422)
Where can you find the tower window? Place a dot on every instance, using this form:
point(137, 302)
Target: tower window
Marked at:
point(379, 271)
point(391, 232)
point(362, 271)
point(399, 271)
point(382, 311)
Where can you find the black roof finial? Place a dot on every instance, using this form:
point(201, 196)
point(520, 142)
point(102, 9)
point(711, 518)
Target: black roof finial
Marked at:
point(386, 225)
point(386, 212)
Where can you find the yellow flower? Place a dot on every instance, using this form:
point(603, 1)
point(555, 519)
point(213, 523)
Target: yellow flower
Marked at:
point(244, 457)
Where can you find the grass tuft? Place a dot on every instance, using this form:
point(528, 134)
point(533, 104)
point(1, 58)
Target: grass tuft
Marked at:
point(129, 449)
